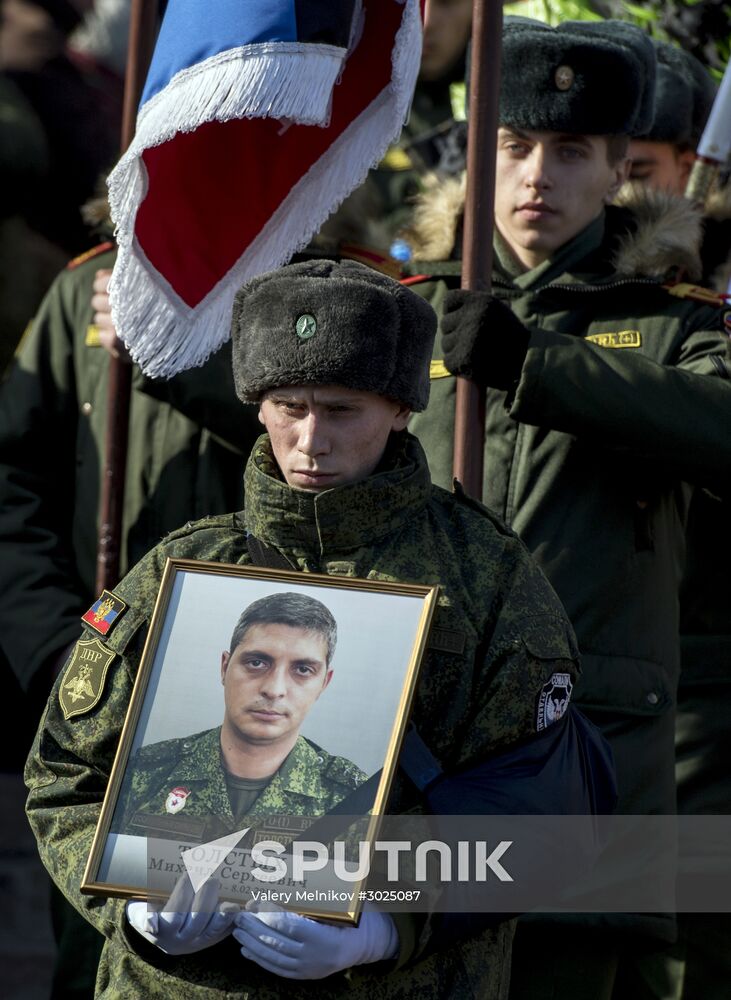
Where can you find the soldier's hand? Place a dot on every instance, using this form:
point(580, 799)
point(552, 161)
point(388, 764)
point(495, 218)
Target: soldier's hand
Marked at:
point(482, 339)
point(297, 947)
point(103, 317)
point(188, 922)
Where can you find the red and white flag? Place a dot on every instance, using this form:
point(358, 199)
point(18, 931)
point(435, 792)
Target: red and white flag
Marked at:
point(258, 118)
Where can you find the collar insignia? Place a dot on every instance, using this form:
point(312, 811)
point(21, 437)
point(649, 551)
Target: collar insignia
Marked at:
point(176, 799)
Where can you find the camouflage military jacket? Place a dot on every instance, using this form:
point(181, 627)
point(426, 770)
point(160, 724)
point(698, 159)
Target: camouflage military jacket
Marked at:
point(498, 636)
point(309, 783)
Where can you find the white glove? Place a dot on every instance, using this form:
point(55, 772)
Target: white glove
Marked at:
point(187, 922)
point(297, 947)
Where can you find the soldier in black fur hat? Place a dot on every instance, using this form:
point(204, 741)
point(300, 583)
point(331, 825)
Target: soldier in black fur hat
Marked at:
point(684, 93)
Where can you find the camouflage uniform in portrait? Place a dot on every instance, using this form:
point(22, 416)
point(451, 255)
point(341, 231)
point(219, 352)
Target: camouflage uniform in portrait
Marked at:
point(309, 783)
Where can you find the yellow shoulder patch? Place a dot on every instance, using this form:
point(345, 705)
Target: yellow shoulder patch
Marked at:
point(458, 100)
point(622, 338)
point(92, 338)
point(437, 370)
point(683, 290)
point(89, 254)
point(396, 159)
point(83, 681)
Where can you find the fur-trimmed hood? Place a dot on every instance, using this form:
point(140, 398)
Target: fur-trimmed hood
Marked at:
point(664, 231)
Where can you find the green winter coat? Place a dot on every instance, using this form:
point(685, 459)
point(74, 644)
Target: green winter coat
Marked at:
point(623, 398)
point(52, 428)
point(509, 635)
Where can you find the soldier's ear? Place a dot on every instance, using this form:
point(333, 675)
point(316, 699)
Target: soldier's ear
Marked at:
point(686, 159)
point(401, 418)
point(621, 173)
point(225, 657)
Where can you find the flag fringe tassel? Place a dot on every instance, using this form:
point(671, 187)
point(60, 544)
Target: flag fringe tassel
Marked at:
point(287, 81)
point(163, 334)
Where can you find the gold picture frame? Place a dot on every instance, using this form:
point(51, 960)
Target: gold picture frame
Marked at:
point(209, 712)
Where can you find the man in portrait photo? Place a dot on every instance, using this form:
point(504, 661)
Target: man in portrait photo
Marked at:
point(256, 763)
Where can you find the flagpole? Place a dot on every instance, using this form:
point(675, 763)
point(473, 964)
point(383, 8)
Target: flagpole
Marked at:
point(143, 22)
point(714, 146)
point(469, 422)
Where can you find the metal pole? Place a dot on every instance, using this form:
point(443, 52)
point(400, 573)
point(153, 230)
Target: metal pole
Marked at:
point(143, 23)
point(469, 422)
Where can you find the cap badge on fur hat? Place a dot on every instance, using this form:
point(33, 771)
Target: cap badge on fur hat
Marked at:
point(564, 77)
point(556, 78)
point(306, 326)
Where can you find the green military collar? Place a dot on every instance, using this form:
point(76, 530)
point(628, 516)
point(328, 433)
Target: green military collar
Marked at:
point(202, 755)
point(339, 519)
point(562, 263)
point(300, 773)
point(202, 761)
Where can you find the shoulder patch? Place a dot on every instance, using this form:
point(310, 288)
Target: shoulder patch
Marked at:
point(683, 290)
point(92, 338)
point(105, 612)
point(619, 338)
point(89, 255)
point(396, 158)
point(553, 700)
point(437, 369)
point(83, 682)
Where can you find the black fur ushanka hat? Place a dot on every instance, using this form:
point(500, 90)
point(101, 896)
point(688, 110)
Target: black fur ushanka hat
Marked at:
point(589, 77)
point(326, 322)
point(684, 95)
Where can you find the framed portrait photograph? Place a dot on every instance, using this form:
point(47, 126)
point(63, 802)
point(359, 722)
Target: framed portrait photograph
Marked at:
point(261, 737)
